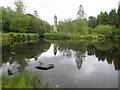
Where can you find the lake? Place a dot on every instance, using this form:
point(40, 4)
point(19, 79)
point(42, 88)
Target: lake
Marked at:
point(77, 64)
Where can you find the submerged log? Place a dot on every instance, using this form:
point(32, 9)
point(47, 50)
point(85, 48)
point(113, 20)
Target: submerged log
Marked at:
point(45, 66)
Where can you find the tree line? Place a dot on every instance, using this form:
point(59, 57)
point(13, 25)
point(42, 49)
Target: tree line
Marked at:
point(107, 24)
point(17, 21)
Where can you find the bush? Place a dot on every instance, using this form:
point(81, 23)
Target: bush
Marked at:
point(107, 31)
point(11, 34)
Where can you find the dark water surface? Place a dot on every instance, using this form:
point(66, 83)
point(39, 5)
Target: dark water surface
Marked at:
point(77, 64)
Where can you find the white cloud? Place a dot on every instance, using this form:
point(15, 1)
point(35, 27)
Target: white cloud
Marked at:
point(65, 8)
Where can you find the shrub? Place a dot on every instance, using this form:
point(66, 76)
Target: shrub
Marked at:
point(11, 34)
point(104, 30)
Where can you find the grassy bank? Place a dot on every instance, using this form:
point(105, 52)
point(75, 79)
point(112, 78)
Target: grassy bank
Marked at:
point(19, 36)
point(23, 80)
point(6, 38)
point(60, 36)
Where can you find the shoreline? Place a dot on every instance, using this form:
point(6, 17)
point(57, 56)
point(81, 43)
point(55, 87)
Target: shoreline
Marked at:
point(7, 38)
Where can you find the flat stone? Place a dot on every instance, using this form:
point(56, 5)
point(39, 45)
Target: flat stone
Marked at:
point(45, 66)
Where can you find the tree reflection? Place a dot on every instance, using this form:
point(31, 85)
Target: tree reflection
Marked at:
point(23, 52)
point(67, 53)
point(55, 49)
point(79, 57)
point(108, 51)
point(103, 50)
point(112, 57)
point(90, 50)
point(74, 48)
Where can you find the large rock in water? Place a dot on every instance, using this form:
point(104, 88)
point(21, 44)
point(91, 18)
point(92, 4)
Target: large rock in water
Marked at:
point(45, 66)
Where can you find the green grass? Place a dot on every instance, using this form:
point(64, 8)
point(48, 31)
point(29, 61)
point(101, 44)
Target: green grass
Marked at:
point(60, 36)
point(20, 38)
point(23, 80)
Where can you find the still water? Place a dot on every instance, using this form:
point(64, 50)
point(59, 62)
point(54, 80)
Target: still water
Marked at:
point(77, 64)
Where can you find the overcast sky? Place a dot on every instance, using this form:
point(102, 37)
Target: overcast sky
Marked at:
point(64, 8)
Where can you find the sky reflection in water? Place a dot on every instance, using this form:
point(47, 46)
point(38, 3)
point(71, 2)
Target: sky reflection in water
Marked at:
point(75, 64)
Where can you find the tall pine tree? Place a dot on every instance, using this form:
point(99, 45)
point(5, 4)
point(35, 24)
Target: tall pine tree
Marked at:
point(112, 17)
point(118, 17)
point(102, 18)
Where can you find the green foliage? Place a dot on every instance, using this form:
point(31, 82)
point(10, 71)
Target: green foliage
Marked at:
point(23, 80)
point(19, 36)
point(92, 22)
point(60, 36)
point(6, 18)
point(0, 19)
point(22, 23)
point(81, 26)
point(78, 26)
point(56, 35)
point(104, 30)
point(19, 23)
point(66, 26)
point(38, 26)
point(118, 17)
point(90, 30)
point(102, 18)
point(112, 17)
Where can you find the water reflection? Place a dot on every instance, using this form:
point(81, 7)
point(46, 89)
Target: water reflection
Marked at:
point(55, 49)
point(23, 52)
point(79, 57)
point(102, 50)
point(75, 61)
